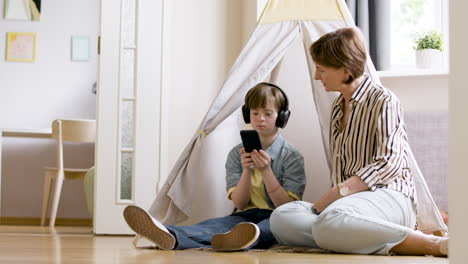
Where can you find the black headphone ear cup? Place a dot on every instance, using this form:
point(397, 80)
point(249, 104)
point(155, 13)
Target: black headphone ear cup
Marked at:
point(282, 119)
point(246, 114)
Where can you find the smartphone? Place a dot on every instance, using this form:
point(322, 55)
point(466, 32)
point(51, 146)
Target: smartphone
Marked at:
point(250, 140)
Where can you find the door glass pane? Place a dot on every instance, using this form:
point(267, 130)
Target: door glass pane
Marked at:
point(128, 23)
point(127, 123)
point(127, 96)
point(127, 73)
point(126, 175)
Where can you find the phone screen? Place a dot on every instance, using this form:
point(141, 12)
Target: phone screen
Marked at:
point(250, 140)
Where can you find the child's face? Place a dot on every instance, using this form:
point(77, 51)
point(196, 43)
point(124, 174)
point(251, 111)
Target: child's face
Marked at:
point(263, 119)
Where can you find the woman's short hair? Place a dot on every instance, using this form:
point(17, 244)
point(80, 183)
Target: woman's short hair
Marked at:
point(262, 94)
point(342, 48)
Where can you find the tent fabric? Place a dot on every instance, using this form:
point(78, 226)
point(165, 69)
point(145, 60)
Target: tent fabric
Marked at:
point(195, 187)
point(299, 10)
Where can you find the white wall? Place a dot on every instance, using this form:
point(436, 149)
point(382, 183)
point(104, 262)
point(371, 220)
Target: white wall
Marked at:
point(204, 39)
point(33, 94)
point(419, 93)
point(458, 143)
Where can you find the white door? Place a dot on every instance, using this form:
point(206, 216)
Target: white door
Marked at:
point(128, 110)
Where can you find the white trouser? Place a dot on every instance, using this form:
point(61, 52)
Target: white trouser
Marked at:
point(362, 223)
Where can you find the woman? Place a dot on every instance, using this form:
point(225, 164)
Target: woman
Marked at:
point(371, 208)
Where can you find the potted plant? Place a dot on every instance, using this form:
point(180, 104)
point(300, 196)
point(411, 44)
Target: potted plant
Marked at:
point(428, 46)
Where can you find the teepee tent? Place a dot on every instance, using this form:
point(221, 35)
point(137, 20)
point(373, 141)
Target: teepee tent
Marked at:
point(195, 188)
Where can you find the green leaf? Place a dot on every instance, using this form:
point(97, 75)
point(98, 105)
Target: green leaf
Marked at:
point(428, 40)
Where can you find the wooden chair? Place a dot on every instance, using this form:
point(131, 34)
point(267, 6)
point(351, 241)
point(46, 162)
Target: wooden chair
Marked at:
point(64, 130)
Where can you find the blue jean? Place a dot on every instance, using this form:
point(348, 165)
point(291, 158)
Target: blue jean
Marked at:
point(362, 223)
point(199, 235)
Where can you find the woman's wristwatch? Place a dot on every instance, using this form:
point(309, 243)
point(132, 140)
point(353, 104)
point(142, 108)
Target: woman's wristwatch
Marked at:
point(343, 189)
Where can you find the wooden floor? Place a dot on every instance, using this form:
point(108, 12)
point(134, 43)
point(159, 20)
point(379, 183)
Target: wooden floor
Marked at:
point(32, 244)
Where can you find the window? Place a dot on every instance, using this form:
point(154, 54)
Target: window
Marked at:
point(410, 17)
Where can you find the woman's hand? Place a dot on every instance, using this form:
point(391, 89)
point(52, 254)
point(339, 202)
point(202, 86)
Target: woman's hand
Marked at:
point(246, 159)
point(328, 198)
point(261, 160)
point(354, 184)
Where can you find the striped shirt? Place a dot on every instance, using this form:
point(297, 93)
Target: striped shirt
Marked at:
point(373, 145)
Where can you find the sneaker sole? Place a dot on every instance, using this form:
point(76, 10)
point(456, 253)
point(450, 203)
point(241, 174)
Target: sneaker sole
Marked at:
point(140, 222)
point(240, 237)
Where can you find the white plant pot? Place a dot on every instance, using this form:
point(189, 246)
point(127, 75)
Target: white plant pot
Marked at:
point(428, 58)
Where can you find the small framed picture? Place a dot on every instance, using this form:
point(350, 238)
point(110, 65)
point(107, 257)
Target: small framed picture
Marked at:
point(22, 9)
point(21, 47)
point(80, 48)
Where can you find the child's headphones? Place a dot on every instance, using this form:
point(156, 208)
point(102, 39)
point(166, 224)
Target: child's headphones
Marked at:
point(283, 114)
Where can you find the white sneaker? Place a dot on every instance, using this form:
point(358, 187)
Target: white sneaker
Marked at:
point(145, 225)
point(242, 236)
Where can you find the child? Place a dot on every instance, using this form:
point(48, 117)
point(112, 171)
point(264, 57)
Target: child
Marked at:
point(257, 183)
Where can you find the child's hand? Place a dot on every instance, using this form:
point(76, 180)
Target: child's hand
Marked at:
point(246, 159)
point(261, 160)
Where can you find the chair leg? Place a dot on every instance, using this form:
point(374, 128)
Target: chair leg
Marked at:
point(46, 197)
point(55, 202)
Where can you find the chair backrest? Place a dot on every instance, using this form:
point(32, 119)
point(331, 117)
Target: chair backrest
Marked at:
point(74, 130)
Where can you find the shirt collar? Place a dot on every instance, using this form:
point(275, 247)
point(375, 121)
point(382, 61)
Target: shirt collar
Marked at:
point(275, 148)
point(360, 94)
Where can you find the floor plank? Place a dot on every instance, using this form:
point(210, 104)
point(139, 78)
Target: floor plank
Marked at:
point(33, 244)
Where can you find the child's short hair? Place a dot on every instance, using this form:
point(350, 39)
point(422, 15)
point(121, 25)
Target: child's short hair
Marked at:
point(263, 93)
point(342, 48)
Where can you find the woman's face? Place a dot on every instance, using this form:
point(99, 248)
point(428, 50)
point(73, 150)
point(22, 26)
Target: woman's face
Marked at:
point(331, 78)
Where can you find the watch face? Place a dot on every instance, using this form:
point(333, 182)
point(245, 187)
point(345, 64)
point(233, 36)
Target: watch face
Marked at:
point(344, 190)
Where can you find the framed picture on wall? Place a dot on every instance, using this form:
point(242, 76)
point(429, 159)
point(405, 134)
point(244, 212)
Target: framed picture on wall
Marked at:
point(21, 47)
point(80, 48)
point(22, 9)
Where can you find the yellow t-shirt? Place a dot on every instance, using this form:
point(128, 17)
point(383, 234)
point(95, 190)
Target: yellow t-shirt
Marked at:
point(258, 198)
